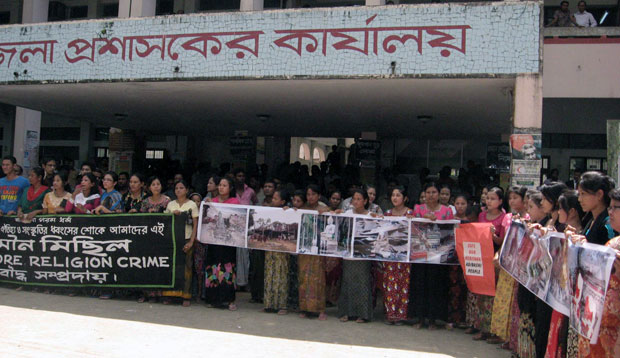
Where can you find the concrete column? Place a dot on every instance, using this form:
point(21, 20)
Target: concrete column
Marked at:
point(375, 2)
point(35, 11)
point(26, 139)
point(251, 5)
point(136, 8)
point(87, 137)
point(92, 9)
point(613, 148)
point(527, 129)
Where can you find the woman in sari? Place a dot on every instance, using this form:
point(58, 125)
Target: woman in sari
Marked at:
point(311, 268)
point(355, 299)
point(31, 202)
point(220, 270)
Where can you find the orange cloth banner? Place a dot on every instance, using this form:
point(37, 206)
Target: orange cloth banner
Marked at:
point(474, 247)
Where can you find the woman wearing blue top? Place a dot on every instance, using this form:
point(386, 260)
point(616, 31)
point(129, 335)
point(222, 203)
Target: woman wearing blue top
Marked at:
point(111, 200)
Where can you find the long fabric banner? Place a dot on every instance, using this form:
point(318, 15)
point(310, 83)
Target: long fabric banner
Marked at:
point(125, 250)
point(474, 246)
point(570, 278)
point(338, 235)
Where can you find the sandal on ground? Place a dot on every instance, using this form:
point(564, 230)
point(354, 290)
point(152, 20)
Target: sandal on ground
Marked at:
point(470, 330)
point(142, 299)
point(449, 326)
point(480, 337)
point(361, 320)
point(432, 327)
point(187, 303)
point(494, 340)
point(166, 301)
point(232, 307)
point(302, 315)
point(105, 296)
point(322, 316)
point(344, 319)
point(282, 312)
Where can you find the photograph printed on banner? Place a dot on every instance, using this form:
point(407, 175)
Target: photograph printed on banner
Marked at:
point(509, 255)
point(538, 266)
point(432, 242)
point(591, 265)
point(560, 290)
point(381, 239)
point(223, 225)
point(273, 229)
point(325, 234)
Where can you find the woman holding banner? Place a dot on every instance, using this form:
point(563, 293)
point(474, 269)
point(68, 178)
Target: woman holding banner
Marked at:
point(56, 201)
point(276, 283)
point(493, 214)
point(132, 199)
point(311, 272)
point(111, 200)
point(608, 343)
point(395, 276)
point(183, 205)
point(429, 294)
point(31, 202)
point(220, 270)
point(355, 299)
point(87, 197)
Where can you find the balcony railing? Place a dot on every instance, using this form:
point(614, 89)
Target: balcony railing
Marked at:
point(585, 32)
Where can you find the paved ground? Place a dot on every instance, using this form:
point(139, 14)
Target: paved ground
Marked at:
point(42, 325)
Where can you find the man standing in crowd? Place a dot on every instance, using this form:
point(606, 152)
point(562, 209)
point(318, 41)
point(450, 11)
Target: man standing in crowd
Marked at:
point(584, 18)
point(11, 187)
point(170, 192)
point(574, 183)
point(268, 189)
point(245, 194)
point(123, 183)
point(563, 17)
point(49, 165)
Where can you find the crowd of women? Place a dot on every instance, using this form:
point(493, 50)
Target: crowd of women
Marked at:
point(427, 296)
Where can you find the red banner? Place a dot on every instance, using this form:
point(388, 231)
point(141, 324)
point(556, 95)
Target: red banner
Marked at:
point(474, 246)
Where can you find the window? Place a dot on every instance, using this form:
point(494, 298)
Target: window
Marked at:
point(318, 155)
point(304, 152)
point(103, 152)
point(102, 133)
point(154, 154)
point(164, 7)
point(110, 10)
point(5, 17)
point(219, 5)
point(78, 12)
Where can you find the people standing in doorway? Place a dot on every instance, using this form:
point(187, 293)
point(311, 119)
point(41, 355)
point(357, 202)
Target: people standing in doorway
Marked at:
point(574, 182)
point(12, 187)
point(563, 17)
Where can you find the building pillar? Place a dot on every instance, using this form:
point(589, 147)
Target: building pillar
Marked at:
point(613, 148)
point(35, 11)
point(251, 5)
point(375, 2)
point(27, 128)
point(526, 135)
point(26, 138)
point(136, 8)
point(87, 137)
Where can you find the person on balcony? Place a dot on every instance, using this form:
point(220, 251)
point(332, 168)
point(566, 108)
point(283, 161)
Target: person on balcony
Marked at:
point(563, 17)
point(584, 18)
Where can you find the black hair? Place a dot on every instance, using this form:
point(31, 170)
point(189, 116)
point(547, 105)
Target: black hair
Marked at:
point(315, 188)
point(570, 200)
point(301, 194)
point(401, 189)
point(564, 1)
point(47, 160)
point(125, 174)
point(584, 3)
point(269, 180)
point(334, 192)
point(615, 194)
point(151, 180)
point(112, 174)
point(64, 178)
point(519, 190)
point(429, 185)
point(93, 179)
point(500, 194)
point(462, 195)
point(11, 158)
point(364, 195)
point(140, 176)
point(182, 181)
point(284, 195)
point(88, 164)
point(591, 182)
point(238, 170)
point(536, 197)
point(231, 186)
point(38, 171)
point(552, 192)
